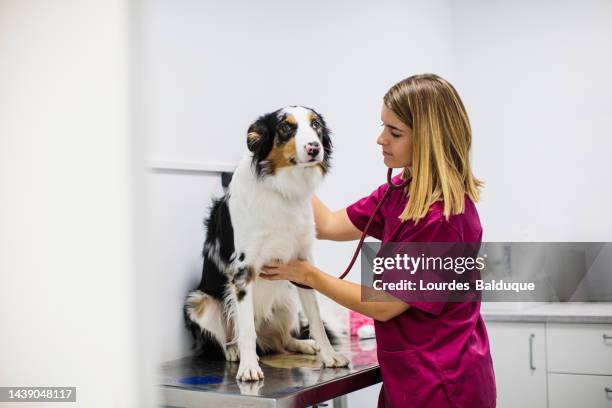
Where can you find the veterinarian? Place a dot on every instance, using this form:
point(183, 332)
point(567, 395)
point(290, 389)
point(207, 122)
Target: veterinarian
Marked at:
point(431, 354)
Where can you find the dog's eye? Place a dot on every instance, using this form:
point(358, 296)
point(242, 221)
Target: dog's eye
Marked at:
point(315, 124)
point(284, 127)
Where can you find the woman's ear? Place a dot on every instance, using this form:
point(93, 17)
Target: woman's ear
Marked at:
point(255, 134)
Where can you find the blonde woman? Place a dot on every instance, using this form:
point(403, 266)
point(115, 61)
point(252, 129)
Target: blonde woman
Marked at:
point(431, 354)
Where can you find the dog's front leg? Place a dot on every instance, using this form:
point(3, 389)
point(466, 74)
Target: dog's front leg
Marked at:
point(242, 284)
point(330, 357)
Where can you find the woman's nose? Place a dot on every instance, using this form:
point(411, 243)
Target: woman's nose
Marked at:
point(381, 140)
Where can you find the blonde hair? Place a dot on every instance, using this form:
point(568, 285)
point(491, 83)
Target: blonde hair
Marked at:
point(441, 143)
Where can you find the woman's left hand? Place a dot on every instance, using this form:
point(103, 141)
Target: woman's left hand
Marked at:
point(295, 271)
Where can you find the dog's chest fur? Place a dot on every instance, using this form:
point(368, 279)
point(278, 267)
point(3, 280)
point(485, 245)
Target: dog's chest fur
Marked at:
point(272, 220)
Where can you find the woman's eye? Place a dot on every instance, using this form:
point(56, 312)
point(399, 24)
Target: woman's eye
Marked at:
point(395, 134)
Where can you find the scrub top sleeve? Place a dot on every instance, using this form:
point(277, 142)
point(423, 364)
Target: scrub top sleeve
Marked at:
point(360, 211)
point(436, 231)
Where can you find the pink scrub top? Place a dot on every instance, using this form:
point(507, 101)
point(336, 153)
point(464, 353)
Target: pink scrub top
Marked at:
point(435, 354)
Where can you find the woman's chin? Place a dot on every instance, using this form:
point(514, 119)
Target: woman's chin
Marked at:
point(389, 162)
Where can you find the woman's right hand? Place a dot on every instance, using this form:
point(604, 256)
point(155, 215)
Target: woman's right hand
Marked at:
point(335, 226)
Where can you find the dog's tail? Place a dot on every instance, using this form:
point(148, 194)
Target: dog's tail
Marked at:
point(204, 343)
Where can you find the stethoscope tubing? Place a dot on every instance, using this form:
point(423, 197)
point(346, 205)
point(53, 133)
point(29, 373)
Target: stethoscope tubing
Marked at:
point(392, 187)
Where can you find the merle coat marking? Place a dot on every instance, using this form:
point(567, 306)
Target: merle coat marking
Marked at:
point(265, 215)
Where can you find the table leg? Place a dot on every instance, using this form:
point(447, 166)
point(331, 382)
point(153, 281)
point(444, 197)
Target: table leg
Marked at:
point(341, 402)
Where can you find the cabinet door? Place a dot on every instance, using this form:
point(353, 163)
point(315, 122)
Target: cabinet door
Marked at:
point(571, 391)
point(519, 359)
point(579, 348)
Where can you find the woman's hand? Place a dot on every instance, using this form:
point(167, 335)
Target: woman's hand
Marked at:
point(296, 271)
point(344, 292)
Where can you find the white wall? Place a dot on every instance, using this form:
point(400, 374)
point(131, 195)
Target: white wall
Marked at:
point(212, 68)
point(535, 77)
point(66, 275)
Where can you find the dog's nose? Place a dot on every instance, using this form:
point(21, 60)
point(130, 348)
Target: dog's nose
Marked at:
point(313, 148)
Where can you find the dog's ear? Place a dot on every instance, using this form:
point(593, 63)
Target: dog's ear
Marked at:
point(255, 135)
point(325, 134)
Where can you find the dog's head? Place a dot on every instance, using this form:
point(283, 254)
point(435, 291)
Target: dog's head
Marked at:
point(290, 137)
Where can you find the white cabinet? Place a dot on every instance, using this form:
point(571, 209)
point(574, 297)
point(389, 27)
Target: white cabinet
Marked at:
point(554, 365)
point(519, 360)
point(572, 391)
point(579, 365)
point(579, 348)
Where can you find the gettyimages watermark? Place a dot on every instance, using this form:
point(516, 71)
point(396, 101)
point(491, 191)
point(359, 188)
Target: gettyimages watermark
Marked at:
point(489, 271)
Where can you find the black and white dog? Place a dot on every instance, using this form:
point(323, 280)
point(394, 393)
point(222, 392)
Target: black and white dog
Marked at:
point(266, 215)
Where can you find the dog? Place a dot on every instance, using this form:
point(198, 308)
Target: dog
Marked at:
point(265, 215)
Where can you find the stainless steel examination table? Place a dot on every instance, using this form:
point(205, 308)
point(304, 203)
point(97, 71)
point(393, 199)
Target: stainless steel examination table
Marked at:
point(290, 380)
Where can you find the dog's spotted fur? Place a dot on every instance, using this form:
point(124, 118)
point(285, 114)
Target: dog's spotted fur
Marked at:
point(266, 215)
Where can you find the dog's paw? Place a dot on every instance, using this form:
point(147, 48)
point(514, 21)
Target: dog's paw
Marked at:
point(307, 346)
point(250, 388)
point(232, 353)
point(334, 359)
point(249, 370)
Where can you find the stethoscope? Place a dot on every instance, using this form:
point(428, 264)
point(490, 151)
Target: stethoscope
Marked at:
point(392, 187)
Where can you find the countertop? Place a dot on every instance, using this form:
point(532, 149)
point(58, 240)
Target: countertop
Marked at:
point(291, 380)
point(591, 312)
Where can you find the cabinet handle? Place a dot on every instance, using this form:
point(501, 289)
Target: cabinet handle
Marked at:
point(606, 337)
point(531, 337)
point(608, 390)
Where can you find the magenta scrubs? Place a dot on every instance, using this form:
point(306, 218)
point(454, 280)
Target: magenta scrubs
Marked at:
point(435, 354)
